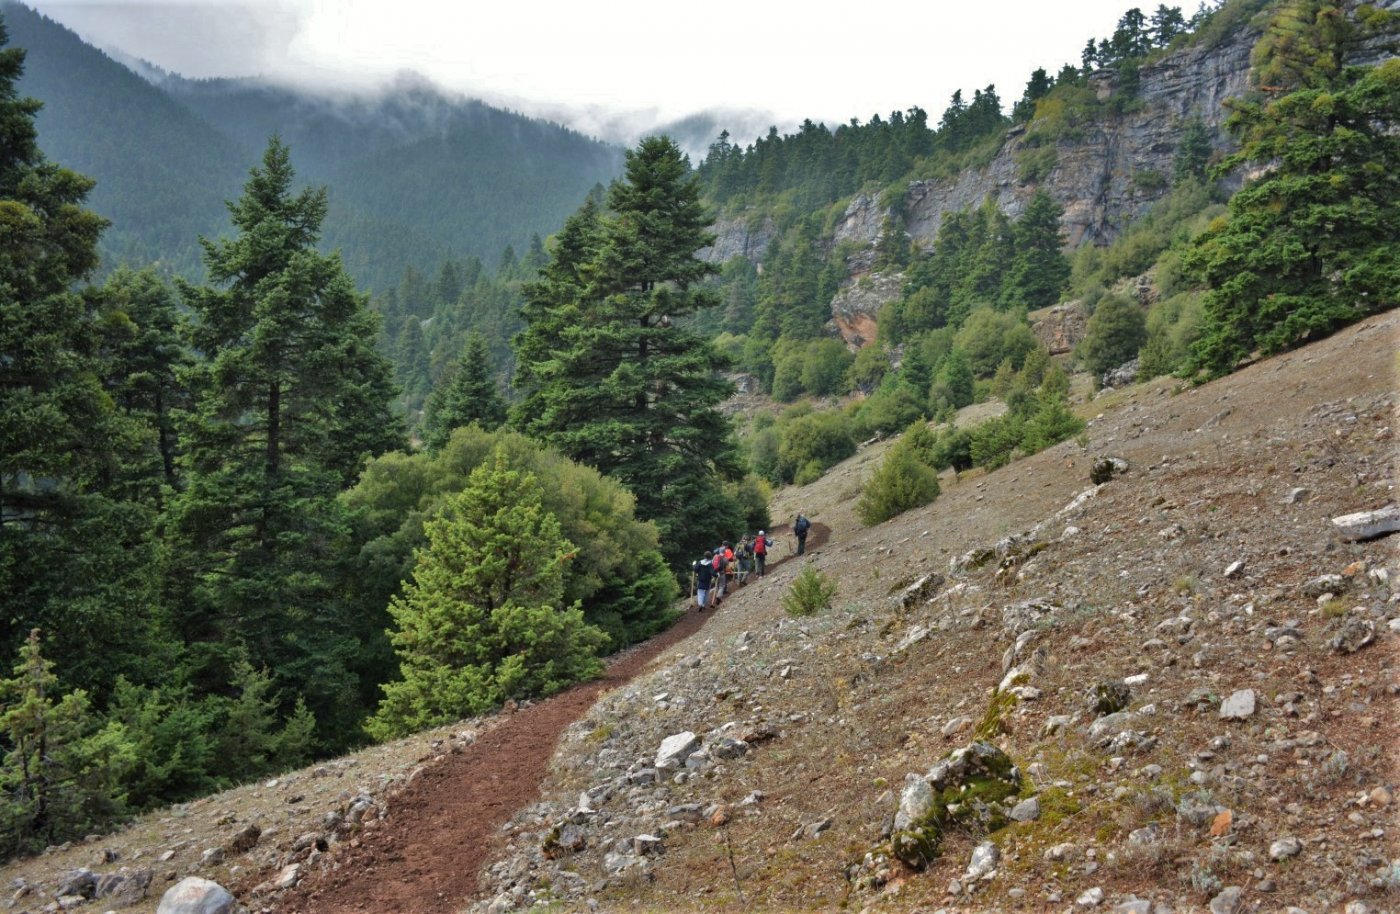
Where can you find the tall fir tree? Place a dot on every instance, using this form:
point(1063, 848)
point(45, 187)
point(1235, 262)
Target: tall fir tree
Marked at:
point(74, 559)
point(1039, 268)
point(1308, 246)
point(627, 388)
point(288, 398)
point(468, 394)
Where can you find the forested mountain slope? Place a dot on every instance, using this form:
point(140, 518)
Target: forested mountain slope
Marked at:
point(415, 175)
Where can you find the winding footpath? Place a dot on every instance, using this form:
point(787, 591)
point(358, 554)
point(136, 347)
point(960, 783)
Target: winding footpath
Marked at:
point(437, 834)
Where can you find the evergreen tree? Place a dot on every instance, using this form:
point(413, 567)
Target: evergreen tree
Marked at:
point(628, 389)
point(1039, 268)
point(467, 395)
point(1310, 245)
point(61, 773)
point(482, 621)
point(1192, 152)
point(289, 398)
point(143, 356)
point(74, 558)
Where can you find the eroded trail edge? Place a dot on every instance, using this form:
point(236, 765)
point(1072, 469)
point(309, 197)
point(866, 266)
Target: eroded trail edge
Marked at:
point(425, 854)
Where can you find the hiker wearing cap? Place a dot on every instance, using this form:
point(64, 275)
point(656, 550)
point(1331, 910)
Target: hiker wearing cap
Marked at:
point(704, 580)
point(761, 544)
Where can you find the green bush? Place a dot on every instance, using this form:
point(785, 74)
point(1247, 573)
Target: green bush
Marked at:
point(484, 618)
point(811, 592)
point(824, 366)
point(1114, 335)
point(823, 438)
point(890, 408)
point(1172, 326)
point(902, 482)
point(989, 336)
point(868, 368)
point(994, 442)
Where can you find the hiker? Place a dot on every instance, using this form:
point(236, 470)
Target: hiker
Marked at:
point(729, 567)
point(704, 580)
point(761, 545)
point(717, 566)
point(745, 559)
point(800, 528)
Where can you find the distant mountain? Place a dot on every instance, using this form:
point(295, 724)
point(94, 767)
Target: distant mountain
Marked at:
point(416, 175)
point(162, 172)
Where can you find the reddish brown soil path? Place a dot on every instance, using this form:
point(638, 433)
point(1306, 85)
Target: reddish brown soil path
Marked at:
point(437, 835)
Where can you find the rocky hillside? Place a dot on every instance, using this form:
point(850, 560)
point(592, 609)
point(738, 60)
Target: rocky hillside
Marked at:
point(1171, 690)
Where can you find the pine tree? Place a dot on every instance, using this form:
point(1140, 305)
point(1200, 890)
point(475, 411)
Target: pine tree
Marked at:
point(467, 395)
point(482, 621)
point(619, 383)
point(288, 400)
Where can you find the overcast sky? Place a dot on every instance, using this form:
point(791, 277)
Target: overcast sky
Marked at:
point(622, 60)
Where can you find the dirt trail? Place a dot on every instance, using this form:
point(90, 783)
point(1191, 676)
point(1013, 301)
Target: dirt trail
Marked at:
point(438, 833)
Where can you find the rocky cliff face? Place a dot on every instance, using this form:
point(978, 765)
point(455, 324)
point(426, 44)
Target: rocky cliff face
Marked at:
point(746, 235)
point(1106, 177)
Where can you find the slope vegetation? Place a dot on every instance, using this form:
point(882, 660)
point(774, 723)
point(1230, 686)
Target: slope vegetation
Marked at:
point(1196, 573)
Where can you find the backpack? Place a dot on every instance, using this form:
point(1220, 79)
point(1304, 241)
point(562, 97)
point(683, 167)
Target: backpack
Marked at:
point(801, 526)
point(760, 546)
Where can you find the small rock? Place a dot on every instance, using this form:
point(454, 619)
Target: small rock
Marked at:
point(1295, 495)
point(1239, 706)
point(1284, 848)
point(985, 858)
point(80, 882)
point(1028, 810)
point(1234, 569)
point(1091, 898)
point(1133, 905)
point(1227, 902)
point(675, 750)
point(1146, 835)
point(647, 845)
point(956, 725)
point(1325, 584)
point(193, 895)
point(1108, 697)
point(288, 877)
point(212, 857)
point(1353, 636)
point(1381, 796)
point(244, 841)
point(915, 802)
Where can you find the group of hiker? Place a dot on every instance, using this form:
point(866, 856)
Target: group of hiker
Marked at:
point(726, 567)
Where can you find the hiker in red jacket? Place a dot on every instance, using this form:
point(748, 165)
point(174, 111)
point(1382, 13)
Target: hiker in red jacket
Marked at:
point(761, 545)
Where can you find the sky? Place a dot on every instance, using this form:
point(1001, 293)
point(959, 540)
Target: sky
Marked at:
point(619, 66)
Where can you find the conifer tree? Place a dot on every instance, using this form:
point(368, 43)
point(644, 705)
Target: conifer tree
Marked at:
point(482, 621)
point(288, 400)
point(61, 772)
point(618, 382)
point(72, 560)
point(467, 395)
point(1309, 246)
point(1039, 268)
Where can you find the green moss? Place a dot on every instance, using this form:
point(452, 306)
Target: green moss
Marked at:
point(1056, 805)
point(989, 727)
